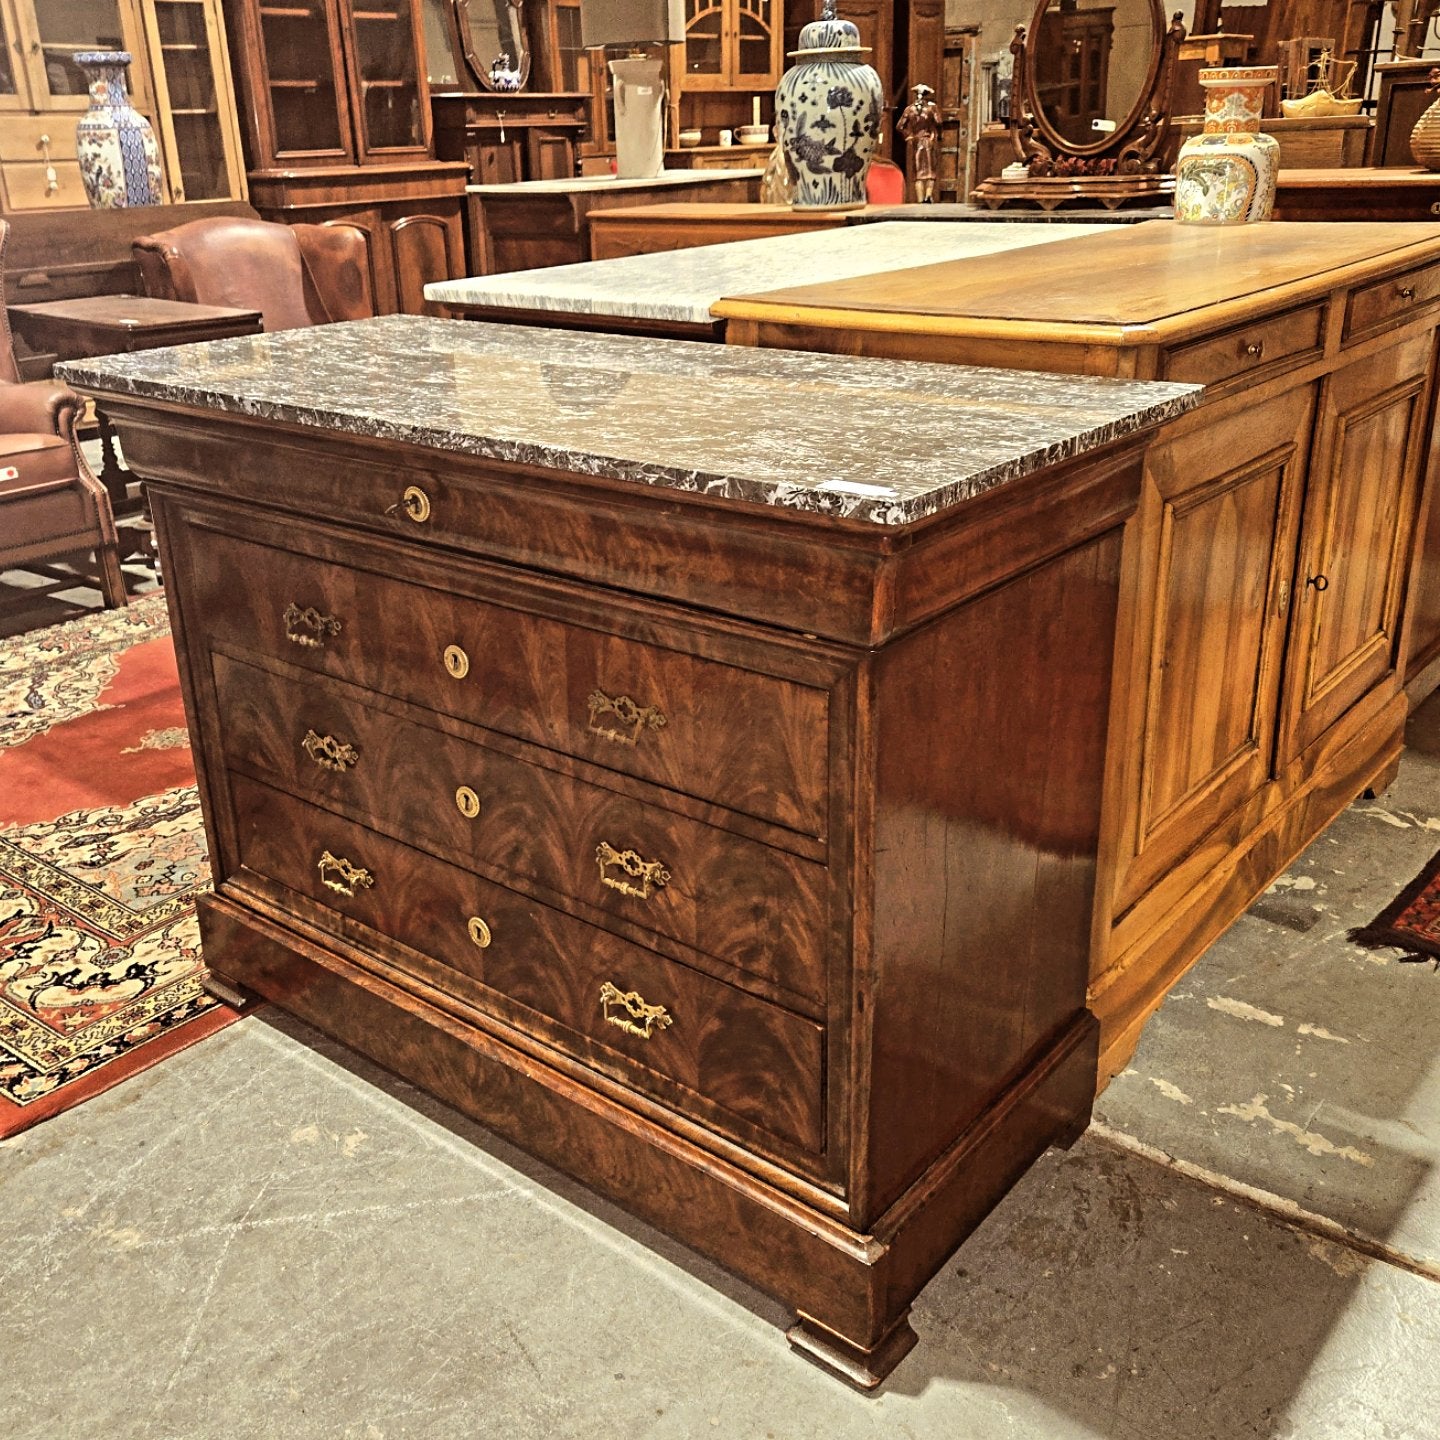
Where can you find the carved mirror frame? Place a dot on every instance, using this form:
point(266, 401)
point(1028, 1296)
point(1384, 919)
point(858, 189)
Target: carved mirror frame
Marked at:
point(480, 65)
point(1136, 144)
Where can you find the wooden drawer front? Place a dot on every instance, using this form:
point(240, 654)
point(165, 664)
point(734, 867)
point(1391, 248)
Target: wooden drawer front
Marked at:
point(1238, 354)
point(751, 742)
point(27, 185)
point(1390, 301)
point(750, 905)
point(27, 137)
point(750, 1060)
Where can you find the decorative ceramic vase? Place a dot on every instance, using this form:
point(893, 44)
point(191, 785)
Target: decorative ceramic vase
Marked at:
point(827, 115)
point(1425, 137)
point(1226, 174)
point(119, 160)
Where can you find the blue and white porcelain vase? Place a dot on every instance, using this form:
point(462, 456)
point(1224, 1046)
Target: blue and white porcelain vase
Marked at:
point(827, 115)
point(119, 159)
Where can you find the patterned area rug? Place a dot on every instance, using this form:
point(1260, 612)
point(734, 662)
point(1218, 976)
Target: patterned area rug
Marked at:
point(1411, 922)
point(101, 855)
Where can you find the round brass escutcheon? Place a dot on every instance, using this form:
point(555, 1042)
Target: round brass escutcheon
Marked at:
point(479, 932)
point(467, 802)
point(416, 503)
point(457, 662)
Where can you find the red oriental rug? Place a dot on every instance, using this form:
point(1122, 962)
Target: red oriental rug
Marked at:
point(102, 853)
point(1411, 922)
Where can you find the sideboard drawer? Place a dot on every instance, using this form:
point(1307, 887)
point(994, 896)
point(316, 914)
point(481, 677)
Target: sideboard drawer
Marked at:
point(753, 906)
point(1386, 302)
point(747, 740)
point(1238, 354)
point(652, 1022)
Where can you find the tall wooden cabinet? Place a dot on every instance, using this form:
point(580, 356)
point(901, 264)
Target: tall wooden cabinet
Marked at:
point(179, 78)
point(1279, 601)
point(337, 128)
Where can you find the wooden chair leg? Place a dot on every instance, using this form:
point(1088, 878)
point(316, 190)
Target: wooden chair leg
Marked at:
point(112, 578)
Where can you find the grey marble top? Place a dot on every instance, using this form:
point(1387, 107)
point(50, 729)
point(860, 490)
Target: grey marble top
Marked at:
point(877, 440)
point(681, 285)
point(583, 183)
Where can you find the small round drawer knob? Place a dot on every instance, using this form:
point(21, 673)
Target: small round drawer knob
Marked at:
point(416, 504)
point(457, 662)
point(479, 932)
point(467, 802)
point(1407, 292)
point(1255, 349)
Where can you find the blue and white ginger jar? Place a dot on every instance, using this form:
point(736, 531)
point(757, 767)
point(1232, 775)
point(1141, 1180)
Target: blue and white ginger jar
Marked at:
point(119, 159)
point(828, 108)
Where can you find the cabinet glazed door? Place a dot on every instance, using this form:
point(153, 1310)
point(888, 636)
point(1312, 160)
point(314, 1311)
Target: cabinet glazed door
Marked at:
point(1370, 440)
point(1217, 549)
point(755, 36)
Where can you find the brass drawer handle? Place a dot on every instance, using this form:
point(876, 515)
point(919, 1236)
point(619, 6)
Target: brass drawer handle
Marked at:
point(457, 662)
point(1407, 292)
point(651, 874)
point(328, 752)
point(1255, 349)
point(633, 718)
point(309, 627)
point(637, 1018)
point(1320, 582)
point(479, 932)
point(338, 874)
point(416, 504)
point(467, 802)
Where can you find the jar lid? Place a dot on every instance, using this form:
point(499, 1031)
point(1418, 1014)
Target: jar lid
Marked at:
point(827, 35)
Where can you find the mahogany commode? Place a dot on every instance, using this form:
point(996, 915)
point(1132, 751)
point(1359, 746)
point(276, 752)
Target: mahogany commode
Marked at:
point(711, 811)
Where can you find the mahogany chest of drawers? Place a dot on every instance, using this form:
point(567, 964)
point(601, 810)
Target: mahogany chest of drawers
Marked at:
point(736, 859)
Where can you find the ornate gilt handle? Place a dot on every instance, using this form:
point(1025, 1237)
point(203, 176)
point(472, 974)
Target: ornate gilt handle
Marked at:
point(328, 752)
point(651, 874)
point(338, 874)
point(633, 719)
point(636, 1017)
point(309, 627)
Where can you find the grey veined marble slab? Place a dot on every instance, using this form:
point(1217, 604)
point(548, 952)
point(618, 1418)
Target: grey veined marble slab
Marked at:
point(680, 286)
point(879, 440)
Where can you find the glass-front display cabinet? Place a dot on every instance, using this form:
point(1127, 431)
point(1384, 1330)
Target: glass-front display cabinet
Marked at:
point(732, 44)
point(179, 62)
point(332, 81)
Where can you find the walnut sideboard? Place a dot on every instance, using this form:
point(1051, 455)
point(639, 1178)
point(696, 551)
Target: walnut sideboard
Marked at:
point(712, 812)
point(1282, 577)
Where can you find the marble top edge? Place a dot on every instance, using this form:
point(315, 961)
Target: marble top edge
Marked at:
point(667, 414)
point(581, 184)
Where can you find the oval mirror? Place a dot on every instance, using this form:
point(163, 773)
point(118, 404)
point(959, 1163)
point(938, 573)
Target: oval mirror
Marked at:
point(1092, 65)
point(492, 34)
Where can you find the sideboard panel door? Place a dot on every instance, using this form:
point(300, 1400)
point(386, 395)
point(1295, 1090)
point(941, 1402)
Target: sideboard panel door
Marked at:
point(423, 250)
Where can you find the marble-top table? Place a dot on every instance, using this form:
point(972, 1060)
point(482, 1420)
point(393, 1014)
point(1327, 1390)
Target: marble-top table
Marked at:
point(547, 222)
point(601, 184)
point(659, 413)
point(678, 289)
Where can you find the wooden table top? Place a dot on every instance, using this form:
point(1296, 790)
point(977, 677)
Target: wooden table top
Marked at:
point(1131, 285)
point(727, 213)
point(1360, 177)
point(133, 312)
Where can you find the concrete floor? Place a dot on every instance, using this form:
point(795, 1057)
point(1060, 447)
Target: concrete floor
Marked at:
point(265, 1236)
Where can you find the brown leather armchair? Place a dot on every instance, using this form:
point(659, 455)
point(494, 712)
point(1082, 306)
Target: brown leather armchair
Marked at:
point(50, 504)
point(293, 274)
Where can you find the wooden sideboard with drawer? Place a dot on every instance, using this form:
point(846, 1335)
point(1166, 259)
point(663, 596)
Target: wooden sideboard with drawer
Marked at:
point(1283, 571)
point(728, 894)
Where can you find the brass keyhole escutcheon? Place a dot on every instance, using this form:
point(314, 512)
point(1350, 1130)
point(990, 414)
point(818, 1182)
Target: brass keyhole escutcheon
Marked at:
point(457, 662)
point(479, 932)
point(416, 503)
point(467, 802)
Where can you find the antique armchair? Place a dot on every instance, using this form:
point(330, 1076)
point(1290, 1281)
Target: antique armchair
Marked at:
point(294, 275)
point(51, 506)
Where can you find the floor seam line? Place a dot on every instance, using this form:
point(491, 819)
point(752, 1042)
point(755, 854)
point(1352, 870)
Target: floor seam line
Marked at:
point(1291, 1214)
